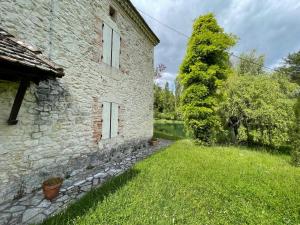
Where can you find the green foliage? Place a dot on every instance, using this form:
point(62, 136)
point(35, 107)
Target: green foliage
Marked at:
point(251, 64)
point(158, 99)
point(263, 108)
point(291, 68)
point(178, 93)
point(167, 116)
point(204, 68)
point(170, 130)
point(296, 136)
point(168, 100)
point(164, 99)
point(187, 184)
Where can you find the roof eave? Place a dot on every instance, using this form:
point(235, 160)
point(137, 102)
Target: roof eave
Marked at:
point(134, 14)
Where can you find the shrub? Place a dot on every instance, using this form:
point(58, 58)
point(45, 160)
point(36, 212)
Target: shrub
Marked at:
point(296, 137)
point(259, 109)
point(167, 116)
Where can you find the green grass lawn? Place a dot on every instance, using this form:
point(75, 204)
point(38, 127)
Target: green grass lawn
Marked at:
point(186, 184)
point(170, 129)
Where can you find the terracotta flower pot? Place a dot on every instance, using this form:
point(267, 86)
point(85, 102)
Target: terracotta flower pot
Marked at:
point(153, 142)
point(51, 188)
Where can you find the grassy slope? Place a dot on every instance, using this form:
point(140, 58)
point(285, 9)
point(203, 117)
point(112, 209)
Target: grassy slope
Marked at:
point(196, 185)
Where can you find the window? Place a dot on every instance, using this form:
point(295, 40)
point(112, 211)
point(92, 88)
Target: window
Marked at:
point(110, 120)
point(111, 46)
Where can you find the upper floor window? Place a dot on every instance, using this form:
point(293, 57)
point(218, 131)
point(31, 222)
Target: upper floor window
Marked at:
point(111, 46)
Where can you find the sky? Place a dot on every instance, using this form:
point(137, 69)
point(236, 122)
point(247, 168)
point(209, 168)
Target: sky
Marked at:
point(272, 27)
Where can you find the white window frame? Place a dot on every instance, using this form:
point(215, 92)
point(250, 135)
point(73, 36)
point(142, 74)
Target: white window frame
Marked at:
point(111, 46)
point(110, 120)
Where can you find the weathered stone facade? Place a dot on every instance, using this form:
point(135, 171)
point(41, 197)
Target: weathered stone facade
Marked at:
point(33, 208)
point(59, 127)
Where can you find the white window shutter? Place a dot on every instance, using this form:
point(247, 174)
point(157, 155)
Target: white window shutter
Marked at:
point(114, 119)
point(107, 41)
point(116, 50)
point(106, 120)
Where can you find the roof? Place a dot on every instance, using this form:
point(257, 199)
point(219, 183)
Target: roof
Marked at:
point(133, 13)
point(16, 54)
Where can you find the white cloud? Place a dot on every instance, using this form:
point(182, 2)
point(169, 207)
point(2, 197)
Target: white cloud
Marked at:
point(167, 77)
point(272, 27)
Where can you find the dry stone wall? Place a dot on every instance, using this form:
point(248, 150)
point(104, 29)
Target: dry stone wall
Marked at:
point(59, 129)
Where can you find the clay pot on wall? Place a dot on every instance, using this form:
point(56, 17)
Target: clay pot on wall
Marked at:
point(51, 187)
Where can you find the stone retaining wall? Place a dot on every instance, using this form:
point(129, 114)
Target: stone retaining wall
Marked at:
point(33, 208)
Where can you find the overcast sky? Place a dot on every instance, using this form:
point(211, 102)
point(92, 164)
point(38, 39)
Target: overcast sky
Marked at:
point(272, 27)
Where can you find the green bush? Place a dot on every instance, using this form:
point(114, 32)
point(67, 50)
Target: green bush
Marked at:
point(263, 108)
point(296, 137)
point(167, 116)
point(170, 129)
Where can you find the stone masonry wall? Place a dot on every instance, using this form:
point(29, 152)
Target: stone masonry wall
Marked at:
point(33, 208)
point(60, 120)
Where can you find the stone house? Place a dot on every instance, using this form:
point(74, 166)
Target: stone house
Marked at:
point(96, 103)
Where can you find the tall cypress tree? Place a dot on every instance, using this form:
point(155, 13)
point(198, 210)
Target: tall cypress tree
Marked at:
point(204, 68)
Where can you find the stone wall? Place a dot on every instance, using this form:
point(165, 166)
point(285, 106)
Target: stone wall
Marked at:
point(33, 208)
point(60, 120)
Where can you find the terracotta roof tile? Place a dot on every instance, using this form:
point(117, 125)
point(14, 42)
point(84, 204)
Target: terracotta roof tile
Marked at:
point(16, 51)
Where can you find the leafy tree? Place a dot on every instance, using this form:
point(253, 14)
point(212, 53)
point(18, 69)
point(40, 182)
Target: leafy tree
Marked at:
point(296, 136)
point(251, 64)
point(158, 99)
point(204, 68)
point(164, 98)
point(261, 109)
point(164, 102)
point(291, 68)
point(169, 100)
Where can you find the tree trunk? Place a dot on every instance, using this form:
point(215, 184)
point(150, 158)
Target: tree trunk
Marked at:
point(233, 136)
point(234, 124)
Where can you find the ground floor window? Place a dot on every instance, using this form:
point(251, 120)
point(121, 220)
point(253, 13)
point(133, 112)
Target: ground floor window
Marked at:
point(110, 120)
